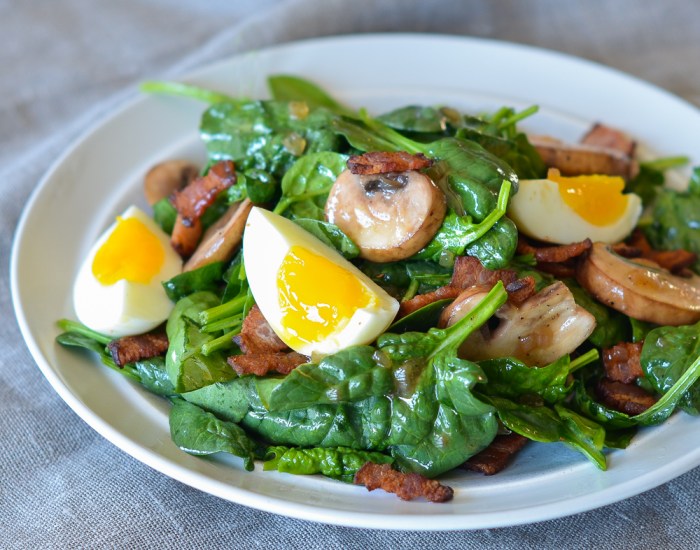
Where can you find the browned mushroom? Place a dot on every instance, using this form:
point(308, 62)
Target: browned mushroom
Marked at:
point(389, 216)
point(221, 239)
point(163, 179)
point(639, 287)
point(582, 159)
point(542, 329)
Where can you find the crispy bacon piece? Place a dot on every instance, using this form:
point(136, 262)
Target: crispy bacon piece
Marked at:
point(469, 272)
point(405, 486)
point(676, 261)
point(421, 300)
point(129, 349)
point(554, 254)
point(622, 362)
point(192, 201)
point(496, 456)
point(604, 136)
point(627, 398)
point(384, 162)
point(257, 336)
point(261, 364)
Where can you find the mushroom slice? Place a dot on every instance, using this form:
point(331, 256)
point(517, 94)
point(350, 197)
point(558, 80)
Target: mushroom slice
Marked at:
point(545, 327)
point(388, 216)
point(640, 288)
point(163, 179)
point(222, 238)
point(582, 159)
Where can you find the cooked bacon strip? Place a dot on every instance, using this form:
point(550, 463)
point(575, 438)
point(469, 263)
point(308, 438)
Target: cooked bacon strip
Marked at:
point(193, 200)
point(676, 261)
point(622, 362)
point(129, 349)
point(422, 300)
point(257, 336)
point(261, 364)
point(191, 203)
point(560, 271)
point(627, 398)
point(384, 162)
point(554, 254)
point(469, 272)
point(601, 135)
point(405, 486)
point(185, 237)
point(496, 456)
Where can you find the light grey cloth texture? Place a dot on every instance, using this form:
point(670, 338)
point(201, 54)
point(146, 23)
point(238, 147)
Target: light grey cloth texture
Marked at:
point(65, 64)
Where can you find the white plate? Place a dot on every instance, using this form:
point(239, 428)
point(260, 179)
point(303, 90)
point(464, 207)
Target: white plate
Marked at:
point(101, 174)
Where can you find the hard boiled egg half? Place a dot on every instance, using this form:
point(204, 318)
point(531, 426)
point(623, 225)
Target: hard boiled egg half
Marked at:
point(315, 300)
point(118, 290)
point(564, 210)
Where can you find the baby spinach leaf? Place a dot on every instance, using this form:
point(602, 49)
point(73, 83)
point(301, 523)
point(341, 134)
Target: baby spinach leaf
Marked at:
point(265, 135)
point(422, 319)
point(207, 277)
point(292, 88)
point(667, 354)
point(497, 247)
point(416, 119)
point(338, 463)
point(611, 327)
point(330, 235)
point(676, 219)
point(188, 367)
point(352, 374)
point(199, 432)
point(306, 184)
point(164, 214)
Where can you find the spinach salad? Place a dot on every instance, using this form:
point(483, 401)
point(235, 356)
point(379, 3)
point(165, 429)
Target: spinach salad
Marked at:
point(501, 332)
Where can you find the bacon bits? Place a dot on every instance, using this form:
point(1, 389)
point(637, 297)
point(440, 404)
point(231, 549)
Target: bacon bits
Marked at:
point(622, 362)
point(627, 398)
point(257, 335)
point(261, 364)
point(496, 456)
point(385, 162)
point(130, 349)
point(192, 201)
point(405, 486)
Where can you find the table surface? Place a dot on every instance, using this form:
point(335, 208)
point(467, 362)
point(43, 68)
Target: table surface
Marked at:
point(68, 63)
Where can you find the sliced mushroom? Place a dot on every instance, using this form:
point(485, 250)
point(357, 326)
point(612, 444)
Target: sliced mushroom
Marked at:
point(639, 288)
point(389, 216)
point(582, 159)
point(221, 239)
point(163, 179)
point(542, 329)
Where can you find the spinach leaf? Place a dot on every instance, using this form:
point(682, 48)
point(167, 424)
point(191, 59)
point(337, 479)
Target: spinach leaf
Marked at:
point(416, 119)
point(668, 353)
point(330, 235)
point(611, 327)
point(208, 277)
point(306, 184)
point(549, 425)
point(338, 463)
point(422, 319)
point(164, 214)
point(199, 432)
point(260, 187)
point(676, 219)
point(497, 247)
point(292, 88)
point(265, 135)
point(511, 378)
point(187, 365)
point(352, 374)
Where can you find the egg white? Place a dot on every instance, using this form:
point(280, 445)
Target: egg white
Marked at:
point(266, 241)
point(125, 308)
point(539, 211)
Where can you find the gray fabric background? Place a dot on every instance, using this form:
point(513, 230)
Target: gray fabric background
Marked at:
point(64, 64)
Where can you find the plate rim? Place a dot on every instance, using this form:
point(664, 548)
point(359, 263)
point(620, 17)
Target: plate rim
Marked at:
point(204, 482)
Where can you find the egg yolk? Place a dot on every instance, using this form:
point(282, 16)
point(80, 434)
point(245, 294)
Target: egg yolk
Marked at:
point(131, 252)
point(317, 297)
point(597, 199)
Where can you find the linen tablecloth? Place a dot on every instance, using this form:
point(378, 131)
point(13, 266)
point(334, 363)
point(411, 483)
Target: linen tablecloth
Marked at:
point(65, 64)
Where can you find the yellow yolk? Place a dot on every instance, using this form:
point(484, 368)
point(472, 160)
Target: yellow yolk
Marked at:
point(131, 253)
point(597, 199)
point(317, 297)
